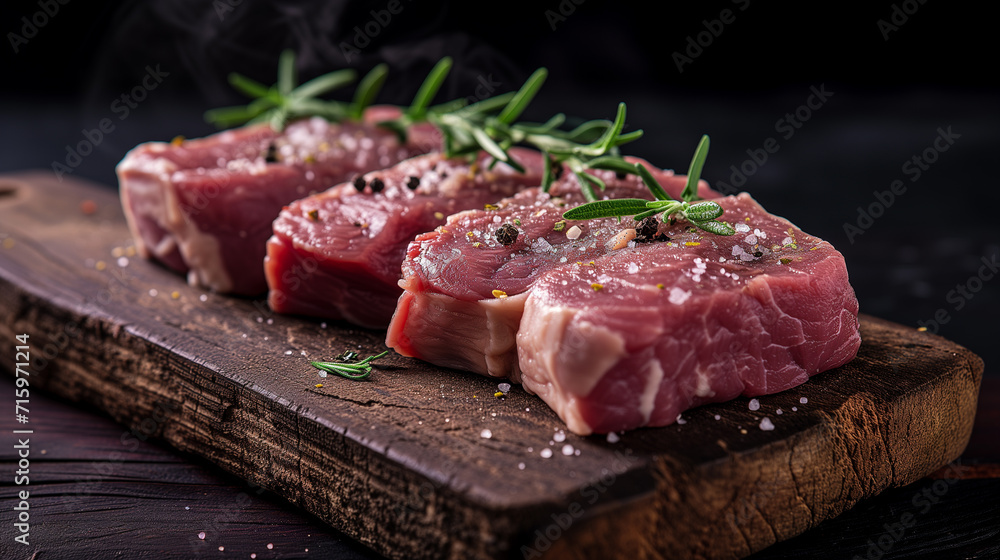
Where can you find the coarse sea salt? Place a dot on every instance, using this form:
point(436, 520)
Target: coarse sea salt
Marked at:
point(567, 449)
point(613, 437)
point(678, 296)
point(486, 434)
point(545, 453)
point(766, 424)
point(754, 404)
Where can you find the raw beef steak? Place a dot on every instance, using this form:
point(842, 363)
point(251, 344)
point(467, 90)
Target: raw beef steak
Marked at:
point(651, 330)
point(337, 254)
point(204, 207)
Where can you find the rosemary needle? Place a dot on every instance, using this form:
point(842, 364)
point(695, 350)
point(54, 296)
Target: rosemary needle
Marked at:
point(355, 370)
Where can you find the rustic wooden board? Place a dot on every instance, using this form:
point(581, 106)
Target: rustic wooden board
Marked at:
point(398, 462)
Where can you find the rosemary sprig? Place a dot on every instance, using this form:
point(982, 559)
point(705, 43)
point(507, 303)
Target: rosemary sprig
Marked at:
point(284, 101)
point(355, 370)
point(466, 129)
point(702, 215)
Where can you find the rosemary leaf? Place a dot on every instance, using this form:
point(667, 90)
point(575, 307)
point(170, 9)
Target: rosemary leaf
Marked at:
point(607, 209)
point(694, 171)
point(368, 89)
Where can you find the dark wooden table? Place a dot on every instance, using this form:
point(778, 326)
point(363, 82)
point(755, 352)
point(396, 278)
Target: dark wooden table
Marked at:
point(98, 491)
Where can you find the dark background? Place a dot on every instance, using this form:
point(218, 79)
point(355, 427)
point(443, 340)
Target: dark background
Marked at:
point(889, 99)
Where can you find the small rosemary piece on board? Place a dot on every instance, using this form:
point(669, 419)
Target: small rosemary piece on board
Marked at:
point(347, 369)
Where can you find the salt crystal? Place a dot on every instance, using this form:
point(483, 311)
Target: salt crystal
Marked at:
point(803, 400)
point(322, 373)
point(322, 325)
point(786, 241)
point(288, 352)
point(766, 424)
point(750, 239)
point(540, 245)
point(203, 297)
point(123, 261)
point(560, 436)
point(678, 296)
point(613, 437)
point(546, 453)
point(486, 434)
point(187, 507)
point(573, 232)
point(260, 319)
point(201, 535)
point(754, 404)
point(520, 466)
point(253, 555)
point(270, 321)
point(567, 449)
point(221, 548)
point(742, 228)
point(270, 546)
point(779, 411)
point(681, 420)
point(737, 250)
point(633, 268)
point(152, 292)
point(717, 417)
point(795, 409)
point(504, 388)
point(759, 233)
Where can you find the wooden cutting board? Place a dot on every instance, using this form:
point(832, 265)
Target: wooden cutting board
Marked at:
point(399, 461)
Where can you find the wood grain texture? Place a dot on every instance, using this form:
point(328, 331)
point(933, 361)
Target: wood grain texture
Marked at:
point(398, 462)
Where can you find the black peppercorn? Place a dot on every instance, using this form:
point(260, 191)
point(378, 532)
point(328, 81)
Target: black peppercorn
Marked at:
point(377, 185)
point(272, 154)
point(647, 227)
point(413, 183)
point(507, 234)
point(359, 183)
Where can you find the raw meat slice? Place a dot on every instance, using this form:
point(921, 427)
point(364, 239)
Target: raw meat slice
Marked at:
point(205, 207)
point(450, 313)
point(651, 330)
point(337, 254)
